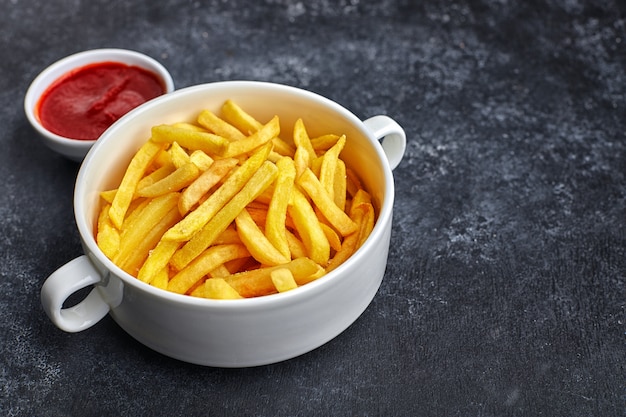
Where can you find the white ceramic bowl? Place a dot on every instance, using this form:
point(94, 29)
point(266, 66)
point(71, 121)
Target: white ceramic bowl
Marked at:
point(72, 148)
point(229, 333)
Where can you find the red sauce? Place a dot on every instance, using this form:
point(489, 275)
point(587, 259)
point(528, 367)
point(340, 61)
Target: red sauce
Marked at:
point(85, 102)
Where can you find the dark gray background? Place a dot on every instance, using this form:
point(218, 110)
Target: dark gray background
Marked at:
point(504, 292)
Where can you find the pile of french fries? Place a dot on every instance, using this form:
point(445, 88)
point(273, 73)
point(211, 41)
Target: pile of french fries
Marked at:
point(224, 208)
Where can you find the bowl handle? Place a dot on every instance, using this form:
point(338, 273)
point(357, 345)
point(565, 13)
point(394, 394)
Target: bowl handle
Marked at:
point(392, 135)
point(75, 275)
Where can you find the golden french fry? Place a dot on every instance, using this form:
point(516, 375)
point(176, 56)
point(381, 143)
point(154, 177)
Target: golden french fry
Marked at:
point(277, 212)
point(220, 272)
point(337, 218)
point(162, 158)
point(324, 142)
point(237, 117)
point(201, 160)
point(329, 166)
point(219, 289)
point(157, 260)
point(178, 155)
point(188, 126)
point(274, 156)
point(138, 255)
point(236, 265)
point(367, 224)
point(219, 126)
point(296, 247)
point(176, 181)
point(196, 220)
point(348, 247)
point(308, 227)
point(190, 139)
point(316, 165)
point(283, 280)
point(257, 282)
point(108, 239)
point(332, 236)
point(339, 186)
point(283, 148)
point(103, 216)
point(301, 160)
point(261, 179)
point(143, 217)
point(141, 231)
point(302, 140)
point(207, 180)
point(258, 138)
point(135, 171)
point(362, 200)
point(313, 277)
point(230, 235)
point(360, 197)
point(108, 195)
point(107, 236)
point(156, 175)
point(353, 184)
point(161, 279)
point(197, 291)
point(134, 210)
point(362, 214)
point(203, 264)
point(255, 241)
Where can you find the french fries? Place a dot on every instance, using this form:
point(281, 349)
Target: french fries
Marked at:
point(275, 223)
point(283, 279)
point(226, 208)
point(190, 139)
point(260, 247)
point(199, 217)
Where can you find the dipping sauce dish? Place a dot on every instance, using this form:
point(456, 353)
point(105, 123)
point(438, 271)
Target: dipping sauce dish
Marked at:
point(75, 99)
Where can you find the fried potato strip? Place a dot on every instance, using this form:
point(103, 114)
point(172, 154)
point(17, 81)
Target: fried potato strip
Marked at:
point(135, 171)
point(200, 241)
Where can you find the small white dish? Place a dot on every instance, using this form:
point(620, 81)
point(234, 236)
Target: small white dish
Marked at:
point(73, 148)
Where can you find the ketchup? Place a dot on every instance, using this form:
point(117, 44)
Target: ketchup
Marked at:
point(84, 102)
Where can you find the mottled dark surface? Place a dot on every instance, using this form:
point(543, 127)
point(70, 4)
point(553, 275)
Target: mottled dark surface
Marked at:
point(505, 288)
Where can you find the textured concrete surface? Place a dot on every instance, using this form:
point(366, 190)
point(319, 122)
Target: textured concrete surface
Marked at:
point(505, 286)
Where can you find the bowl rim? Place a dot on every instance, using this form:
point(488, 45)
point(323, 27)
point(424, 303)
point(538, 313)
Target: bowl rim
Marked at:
point(321, 284)
point(47, 76)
